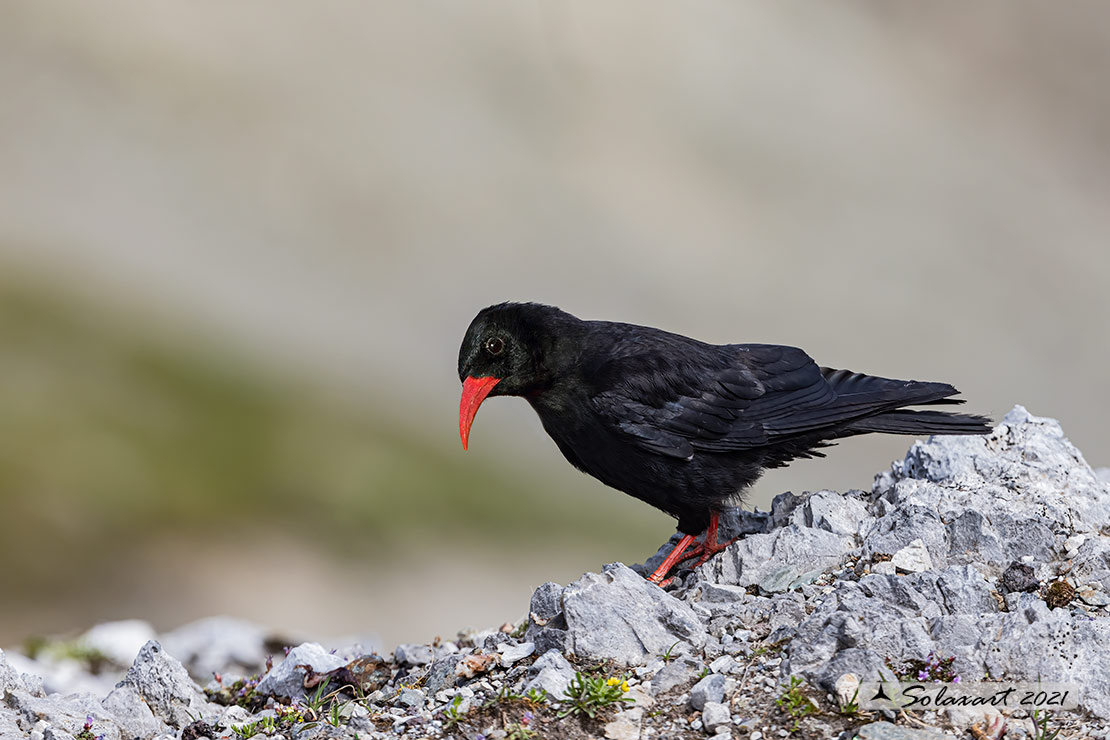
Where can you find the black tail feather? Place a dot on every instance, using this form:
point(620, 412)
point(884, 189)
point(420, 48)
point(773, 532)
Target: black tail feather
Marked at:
point(922, 422)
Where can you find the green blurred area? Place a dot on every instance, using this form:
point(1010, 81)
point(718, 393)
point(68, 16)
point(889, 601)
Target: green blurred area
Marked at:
point(112, 437)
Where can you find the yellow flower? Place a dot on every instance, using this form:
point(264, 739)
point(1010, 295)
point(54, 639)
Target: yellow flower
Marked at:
point(613, 681)
point(624, 685)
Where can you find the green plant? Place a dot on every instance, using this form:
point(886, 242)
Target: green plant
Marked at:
point(536, 696)
point(590, 694)
point(335, 714)
point(504, 695)
point(768, 649)
point(850, 707)
point(240, 692)
point(519, 731)
point(454, 716)
point(667, 657)
point(795, 703)
point(90, 657)
point(86, 732)
point(264, 726)
point(1040, 726)
point(316, 703)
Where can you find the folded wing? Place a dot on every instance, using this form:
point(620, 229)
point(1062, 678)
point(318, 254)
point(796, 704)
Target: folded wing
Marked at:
point(740, 397)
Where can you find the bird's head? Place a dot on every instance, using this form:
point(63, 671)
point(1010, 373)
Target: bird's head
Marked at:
point(504, 353)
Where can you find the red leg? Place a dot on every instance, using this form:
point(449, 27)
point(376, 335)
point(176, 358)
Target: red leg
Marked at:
point(676, 554)
point(709, 547)
point(706, 549)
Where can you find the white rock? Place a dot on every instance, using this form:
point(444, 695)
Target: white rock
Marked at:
point(883, 568)
point(217, 643)
point(913, 558)
point(512, 653)
point(287, 677)
point(552, 673)
point(1073, 543)
point(119, 641)
point(722, 664)
point(847, 689)
point(715, 715)
point(623, 728)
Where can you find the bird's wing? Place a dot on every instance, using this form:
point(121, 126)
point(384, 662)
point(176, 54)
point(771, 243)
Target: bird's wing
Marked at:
point(730, 398)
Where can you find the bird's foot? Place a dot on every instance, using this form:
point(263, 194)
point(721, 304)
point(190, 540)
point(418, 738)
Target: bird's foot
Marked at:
point(703, 551)
point(659, 577)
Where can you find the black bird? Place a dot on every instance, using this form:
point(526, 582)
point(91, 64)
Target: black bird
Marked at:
point(680, 424)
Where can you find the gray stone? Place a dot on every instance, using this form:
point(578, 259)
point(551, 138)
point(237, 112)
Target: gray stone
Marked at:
point(164, 685)
point(53, 733)
point(1092, 597)
point(511, 653)
point(411, 697)
point(721, 593)
point(983, 508)
point(9, 726)
point(546, 604)
point(66, 714)
point(11, 678)
point(971, 536)
point(913, 558)
point(788, 578)
point(883, 568)
point(888, 731)
point(723, 664)
point(1018, 577)
point(757, 557)
point(441, 675)
point(709, 689)
point(234, 716)
point(133, 715)
point(715, 715)
point(1092, 562)
point(748, 725)
point(413, 654)
point(840, 514)
point(552, 673)
point(287, 677)
point(547, 629)
point(619, 616)
point(623, 727)
point(674, 673)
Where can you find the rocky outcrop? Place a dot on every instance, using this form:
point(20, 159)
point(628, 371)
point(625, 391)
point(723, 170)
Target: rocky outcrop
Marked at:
point(989, 554)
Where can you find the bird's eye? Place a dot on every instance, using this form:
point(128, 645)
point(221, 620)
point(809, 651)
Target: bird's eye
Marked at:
point(494, 345)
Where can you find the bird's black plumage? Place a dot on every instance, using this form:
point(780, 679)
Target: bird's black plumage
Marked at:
point(680, 424)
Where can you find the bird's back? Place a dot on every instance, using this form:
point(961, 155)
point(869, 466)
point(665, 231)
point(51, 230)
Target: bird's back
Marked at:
point(685, 425)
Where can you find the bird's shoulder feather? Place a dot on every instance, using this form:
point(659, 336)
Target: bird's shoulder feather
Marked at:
point(673, 395)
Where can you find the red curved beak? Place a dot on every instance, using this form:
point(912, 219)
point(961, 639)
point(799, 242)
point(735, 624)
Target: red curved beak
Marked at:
point(474, 392)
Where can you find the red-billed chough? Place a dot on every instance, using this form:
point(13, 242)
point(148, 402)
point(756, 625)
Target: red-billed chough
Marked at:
point(680, 424)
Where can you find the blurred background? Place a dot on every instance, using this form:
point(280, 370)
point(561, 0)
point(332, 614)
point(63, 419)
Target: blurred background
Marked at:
point(240, 244)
